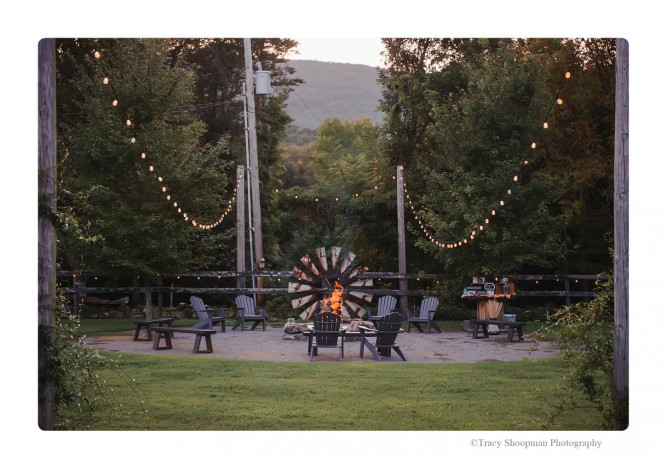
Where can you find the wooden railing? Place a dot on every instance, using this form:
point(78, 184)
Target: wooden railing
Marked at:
point(569, 285)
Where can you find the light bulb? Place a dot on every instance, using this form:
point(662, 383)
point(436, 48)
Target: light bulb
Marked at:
point(97, 55)
point(159, 178)
point(486, 221)
point(143, 155)
point(133, 140)
point(525, 161)
point(568, 75)
point(545, 125)
point(168, 197)
point(559, 101)
point(175, 204)
point(105, 80)
point(164, 189)
point(128, 122)
point(502, 202)
point(481, 227)
point(150, 168)
point(516, 178)
point(509, 191)
point(533, 145)
point(493, 212)
point(114, 103)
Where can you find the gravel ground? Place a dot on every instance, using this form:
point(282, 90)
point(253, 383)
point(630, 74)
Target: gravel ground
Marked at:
point(270, 345)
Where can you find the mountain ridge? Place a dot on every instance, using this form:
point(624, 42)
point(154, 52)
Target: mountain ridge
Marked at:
point(332, 89)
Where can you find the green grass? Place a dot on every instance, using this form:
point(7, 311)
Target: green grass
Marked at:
point(206, 393)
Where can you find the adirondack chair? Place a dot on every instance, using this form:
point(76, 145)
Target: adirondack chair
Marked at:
point(206, 316)
point(385, 337)
point(246, 309)
point(327, 334)
point(426, 312)
point(386, 305)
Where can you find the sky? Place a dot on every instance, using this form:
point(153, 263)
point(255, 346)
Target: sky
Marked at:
point(365, 51)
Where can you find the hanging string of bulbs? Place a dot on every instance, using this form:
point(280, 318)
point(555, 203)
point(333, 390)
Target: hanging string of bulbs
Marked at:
point(479, 226)
point(151, 168)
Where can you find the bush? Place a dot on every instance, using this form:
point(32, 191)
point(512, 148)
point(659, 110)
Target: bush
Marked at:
point(585, 334)
point(79, 391)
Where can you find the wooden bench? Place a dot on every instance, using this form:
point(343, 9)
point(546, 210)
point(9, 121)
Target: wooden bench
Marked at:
point(147, 323)
point(167, 333)
point(484, 325)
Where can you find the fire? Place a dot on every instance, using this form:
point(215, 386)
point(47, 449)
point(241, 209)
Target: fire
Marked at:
point(336, 300)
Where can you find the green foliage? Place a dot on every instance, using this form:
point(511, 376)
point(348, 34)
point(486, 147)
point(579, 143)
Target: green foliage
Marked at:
point(462, 115)
point(335, 193)
point(79, 391)
point(585, 334)
point(109, 188)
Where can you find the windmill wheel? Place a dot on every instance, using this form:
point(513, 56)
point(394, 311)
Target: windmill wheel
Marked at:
point(318, 282)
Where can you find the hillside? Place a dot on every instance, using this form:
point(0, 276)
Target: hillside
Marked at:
point(347, 91)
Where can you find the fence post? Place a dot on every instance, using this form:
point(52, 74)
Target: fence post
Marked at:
point(149, 308)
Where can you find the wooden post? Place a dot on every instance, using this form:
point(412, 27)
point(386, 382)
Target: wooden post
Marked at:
point(159, 296)
point(252, 148)
point(621, 230)
point(47, 233)
point(240, 226)
point(400, 217)
point(149, 305)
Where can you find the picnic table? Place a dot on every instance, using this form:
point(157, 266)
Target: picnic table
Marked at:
point(147, 323)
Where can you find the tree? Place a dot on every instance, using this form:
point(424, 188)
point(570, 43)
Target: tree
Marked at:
point(117, 140)
point(463, 115)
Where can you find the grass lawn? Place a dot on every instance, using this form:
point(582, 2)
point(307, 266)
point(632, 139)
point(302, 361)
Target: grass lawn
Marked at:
point(206, 393)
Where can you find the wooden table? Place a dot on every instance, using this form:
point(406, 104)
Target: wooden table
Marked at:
point(147, 323)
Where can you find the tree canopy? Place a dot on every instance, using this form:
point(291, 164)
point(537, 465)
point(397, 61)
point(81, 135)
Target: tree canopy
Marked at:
point(464, 116)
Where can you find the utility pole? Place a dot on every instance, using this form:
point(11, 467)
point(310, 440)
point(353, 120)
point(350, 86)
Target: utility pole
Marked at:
point(400, 217)
point(252, 156)
point(621, 232)
point(240, 226)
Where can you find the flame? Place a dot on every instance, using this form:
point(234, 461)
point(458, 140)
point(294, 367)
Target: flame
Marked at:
point(336, 300)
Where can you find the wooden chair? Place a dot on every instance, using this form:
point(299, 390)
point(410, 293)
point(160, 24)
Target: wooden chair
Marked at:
point(246, 309)
point(206, 316)
point(426, 312)
point(385, 337)
point(386, 305)
point(327, 334)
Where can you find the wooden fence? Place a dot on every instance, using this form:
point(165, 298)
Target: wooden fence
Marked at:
point(75, 284)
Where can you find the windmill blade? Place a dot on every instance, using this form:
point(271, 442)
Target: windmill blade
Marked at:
point(301, 275)
point(322, 256)
point(299, 288)
point(308, 262)
point(309, 312)
point(356, 309)
point(357, 271)
point(367, 297)
point(303, 301)
point(347, 261)
point(335, 254)
point(364, 282)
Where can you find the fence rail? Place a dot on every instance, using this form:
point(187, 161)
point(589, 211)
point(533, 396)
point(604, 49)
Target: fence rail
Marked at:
point(78, 289)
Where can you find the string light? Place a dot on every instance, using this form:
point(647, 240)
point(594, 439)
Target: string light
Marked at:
point(151, 168)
